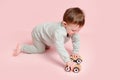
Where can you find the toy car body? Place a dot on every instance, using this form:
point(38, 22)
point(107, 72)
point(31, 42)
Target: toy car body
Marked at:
point(77, 60)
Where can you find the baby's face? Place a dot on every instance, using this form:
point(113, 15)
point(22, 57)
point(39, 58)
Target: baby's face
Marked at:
point(72, 29)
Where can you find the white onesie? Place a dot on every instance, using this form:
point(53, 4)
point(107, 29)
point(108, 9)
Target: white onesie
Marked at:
point(52, 34)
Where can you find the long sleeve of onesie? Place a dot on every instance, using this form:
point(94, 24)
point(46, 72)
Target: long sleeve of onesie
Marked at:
point(59, 44)
point(76, 43)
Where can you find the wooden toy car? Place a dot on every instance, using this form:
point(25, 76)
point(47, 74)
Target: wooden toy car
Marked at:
point(77, 67)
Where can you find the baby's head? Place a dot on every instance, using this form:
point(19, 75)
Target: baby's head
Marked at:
point(73, 20)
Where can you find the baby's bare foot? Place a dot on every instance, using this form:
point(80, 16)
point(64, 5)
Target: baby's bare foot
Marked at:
point(17, 50)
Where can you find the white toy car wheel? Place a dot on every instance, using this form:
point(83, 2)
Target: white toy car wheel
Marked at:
point(68, 69)
point(79, 61)
point(76, 70)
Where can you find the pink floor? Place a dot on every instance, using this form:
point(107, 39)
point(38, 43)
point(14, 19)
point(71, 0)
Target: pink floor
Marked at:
point(100, 40)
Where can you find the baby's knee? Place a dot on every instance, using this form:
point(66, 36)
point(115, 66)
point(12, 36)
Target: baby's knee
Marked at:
point(41, 51)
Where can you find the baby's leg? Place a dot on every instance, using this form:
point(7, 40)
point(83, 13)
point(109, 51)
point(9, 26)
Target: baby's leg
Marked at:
point(37, 47)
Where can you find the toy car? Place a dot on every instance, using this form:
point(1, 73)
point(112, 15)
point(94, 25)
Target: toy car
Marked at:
point(77, 60)
point(77, 67)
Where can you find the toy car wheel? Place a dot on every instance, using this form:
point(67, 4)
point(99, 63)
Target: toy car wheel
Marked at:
point(76, 70)
point(79, 61)
point(68, 69)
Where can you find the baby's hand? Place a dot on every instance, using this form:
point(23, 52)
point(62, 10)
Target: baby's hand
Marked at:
point(71, 64)
point(75, 55)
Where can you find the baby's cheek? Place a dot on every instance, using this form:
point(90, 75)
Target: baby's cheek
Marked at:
point(69, 32)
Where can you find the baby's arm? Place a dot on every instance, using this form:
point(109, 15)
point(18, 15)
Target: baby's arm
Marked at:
point(64, 54)
point(59, 45)
point(76, 43)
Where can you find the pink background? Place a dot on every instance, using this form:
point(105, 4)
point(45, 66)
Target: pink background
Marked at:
point(100, 40)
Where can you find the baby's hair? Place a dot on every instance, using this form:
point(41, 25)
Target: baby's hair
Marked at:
point(75, 16)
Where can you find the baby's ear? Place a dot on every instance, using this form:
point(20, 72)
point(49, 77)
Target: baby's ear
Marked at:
point(64, 23)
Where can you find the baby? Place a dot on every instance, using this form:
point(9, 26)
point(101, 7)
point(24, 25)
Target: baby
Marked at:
point(57, 34)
